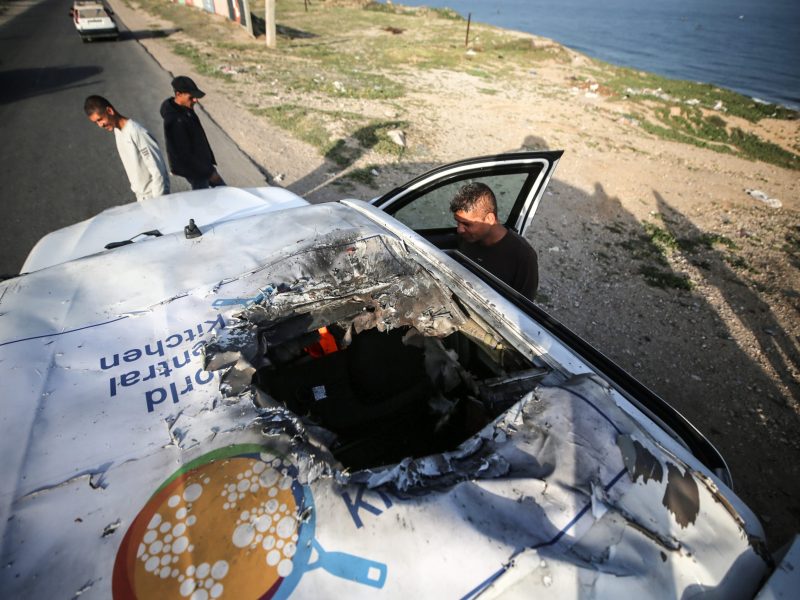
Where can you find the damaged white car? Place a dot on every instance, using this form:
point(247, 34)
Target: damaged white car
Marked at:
point(283, 399)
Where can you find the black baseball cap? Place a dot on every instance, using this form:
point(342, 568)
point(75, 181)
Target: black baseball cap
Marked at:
point(184, 84)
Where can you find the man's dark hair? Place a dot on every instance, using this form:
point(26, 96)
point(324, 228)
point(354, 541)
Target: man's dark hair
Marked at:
point(474, 195)
point(96, 104)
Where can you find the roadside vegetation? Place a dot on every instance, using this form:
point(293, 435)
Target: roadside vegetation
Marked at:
point(700, 114)
point(317, 128)
point(333, 54)
point(656, 244)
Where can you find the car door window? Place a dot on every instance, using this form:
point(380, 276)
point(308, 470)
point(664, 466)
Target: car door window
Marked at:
point(432, 209)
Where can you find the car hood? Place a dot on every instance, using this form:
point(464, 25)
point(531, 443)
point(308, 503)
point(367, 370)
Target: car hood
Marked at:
point(164, 214)
point(132, 445)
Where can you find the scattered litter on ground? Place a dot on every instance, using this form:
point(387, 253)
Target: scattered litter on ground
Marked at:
point(763, 197)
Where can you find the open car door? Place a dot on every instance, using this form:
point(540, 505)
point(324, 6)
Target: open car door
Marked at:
point(518, 181)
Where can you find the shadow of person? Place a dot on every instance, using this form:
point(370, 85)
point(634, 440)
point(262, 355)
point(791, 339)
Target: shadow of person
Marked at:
point(780, 354)
point(532, 142)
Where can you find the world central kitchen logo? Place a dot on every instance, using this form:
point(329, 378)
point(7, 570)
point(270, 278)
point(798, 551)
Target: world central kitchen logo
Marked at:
point(235, 523)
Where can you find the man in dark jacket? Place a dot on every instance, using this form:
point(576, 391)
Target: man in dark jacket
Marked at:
point(188, 151)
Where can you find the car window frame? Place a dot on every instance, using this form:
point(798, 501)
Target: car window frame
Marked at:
point(538, 164)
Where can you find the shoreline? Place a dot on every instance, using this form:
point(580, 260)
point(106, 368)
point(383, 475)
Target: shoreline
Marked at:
point(612, 56)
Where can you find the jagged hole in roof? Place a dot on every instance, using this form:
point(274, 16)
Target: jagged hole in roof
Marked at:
point(358, 339)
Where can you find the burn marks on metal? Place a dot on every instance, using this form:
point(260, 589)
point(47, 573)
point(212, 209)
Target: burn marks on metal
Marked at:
point(682, 498)
point(681, 494)
point(362, 283)
point(639, 461)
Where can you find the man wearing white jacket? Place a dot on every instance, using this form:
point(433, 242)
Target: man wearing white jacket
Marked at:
point(139, 152)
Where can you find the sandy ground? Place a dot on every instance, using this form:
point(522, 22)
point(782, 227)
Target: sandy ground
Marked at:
point(726, 353)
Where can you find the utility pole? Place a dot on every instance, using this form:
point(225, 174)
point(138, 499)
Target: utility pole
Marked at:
point(269, 22)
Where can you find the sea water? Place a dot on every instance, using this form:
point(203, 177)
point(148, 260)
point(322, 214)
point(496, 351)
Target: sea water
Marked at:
point(750, 46)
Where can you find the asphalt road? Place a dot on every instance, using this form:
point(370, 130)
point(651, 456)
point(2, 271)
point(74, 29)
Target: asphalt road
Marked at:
point(57, 167)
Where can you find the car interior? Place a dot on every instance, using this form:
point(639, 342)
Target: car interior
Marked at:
point(396, 393)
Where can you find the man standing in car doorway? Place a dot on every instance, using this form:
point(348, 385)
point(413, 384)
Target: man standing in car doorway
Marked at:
point(482, 238)
point(188, 150)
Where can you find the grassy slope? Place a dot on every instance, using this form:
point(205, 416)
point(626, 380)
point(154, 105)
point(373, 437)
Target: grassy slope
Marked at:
point(332, 53)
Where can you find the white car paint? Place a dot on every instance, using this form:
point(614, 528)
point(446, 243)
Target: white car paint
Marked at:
point(121, 424)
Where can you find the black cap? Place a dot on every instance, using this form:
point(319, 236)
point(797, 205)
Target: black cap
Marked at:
point(184, 84)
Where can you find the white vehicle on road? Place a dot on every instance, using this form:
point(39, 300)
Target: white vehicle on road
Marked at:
point(93, 21)
point(280, 399)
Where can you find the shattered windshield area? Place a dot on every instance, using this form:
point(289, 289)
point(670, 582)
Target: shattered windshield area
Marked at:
point(372, 354)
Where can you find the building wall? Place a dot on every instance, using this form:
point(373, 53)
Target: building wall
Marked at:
point(235, 10)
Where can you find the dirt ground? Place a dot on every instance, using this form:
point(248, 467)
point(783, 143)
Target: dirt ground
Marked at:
point(627, 221)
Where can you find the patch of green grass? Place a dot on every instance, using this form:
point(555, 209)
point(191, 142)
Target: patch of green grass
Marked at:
point(316, 126)
point(661, 239)
point(621, 79)
point(641, 248)
point(309, 125)
point(375, 136)
point(710, 239)
point(338, 82)
point(201, 60)
point(670, 133)
point(365, 176)
point(693, 125)
point(392, 9)
point(736, 261)
point(399, 9)
point(664, 279)
point(754, 147)
point(657, 242)
point(479, 73)
point(342, 153)
point(447, 13)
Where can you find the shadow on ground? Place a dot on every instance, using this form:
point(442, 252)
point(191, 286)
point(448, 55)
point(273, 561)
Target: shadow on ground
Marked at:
point(20, 84)
point(148, 34)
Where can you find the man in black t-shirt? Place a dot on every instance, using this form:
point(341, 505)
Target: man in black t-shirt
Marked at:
point(482, 238)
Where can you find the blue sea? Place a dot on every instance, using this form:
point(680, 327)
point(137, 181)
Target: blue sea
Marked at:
point(750, 46)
